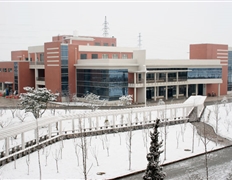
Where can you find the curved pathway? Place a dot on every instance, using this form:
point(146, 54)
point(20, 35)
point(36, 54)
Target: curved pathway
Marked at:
point(204, 129)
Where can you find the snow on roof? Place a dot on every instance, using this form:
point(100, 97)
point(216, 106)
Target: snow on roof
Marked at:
point(196, 100)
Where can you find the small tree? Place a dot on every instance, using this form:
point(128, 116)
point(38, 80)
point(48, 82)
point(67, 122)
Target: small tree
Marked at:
point(154, 171)
point(93, 101)
point(126, 100)
point(35, 101)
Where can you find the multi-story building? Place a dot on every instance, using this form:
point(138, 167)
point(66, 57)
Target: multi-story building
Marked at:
point(79, 64)
point(230, 69)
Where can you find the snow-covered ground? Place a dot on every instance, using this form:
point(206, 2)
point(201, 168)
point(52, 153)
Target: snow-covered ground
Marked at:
point(111, 151)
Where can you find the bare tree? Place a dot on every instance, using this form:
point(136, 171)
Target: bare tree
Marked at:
point(47, 153)
point(13, 110)
point(177, 139)
point(57, 157)
point(21, 115)
point(77, 151)
point(28, 162)
point(224, 100)
point(94, 151)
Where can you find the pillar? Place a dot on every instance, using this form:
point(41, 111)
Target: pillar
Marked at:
point(60, 132)
point(166, 77)
point(22, 141)
point(154, 93)
point(49, 131)
point(177, 91)
point(135, 95)
point(186, 90)
point(97, 122)
point(73, 125)
point(155, 77)
point(114, 119)
point(134, 78)
point(177, 76)
point(145, 86)
point(7, 145)
point(36, 136)
point(219, 90)
point(166, 93)
point(196, 89)
point(90, 123)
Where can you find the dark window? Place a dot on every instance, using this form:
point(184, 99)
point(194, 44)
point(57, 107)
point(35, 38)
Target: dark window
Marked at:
point(94, 56)
point(9, 69)
point(105, 44)
point(83, 56)
point(0, 69)
point(4, 70)
point(112, 44)
point(97, 44)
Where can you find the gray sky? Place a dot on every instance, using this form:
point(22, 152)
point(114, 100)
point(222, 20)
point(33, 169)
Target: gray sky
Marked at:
point(167, 28)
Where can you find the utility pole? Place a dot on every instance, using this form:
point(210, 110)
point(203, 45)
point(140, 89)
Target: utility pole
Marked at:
point(139, 40)
point(105, 28)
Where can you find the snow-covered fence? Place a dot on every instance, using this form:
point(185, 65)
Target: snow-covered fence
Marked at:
point(112, 120)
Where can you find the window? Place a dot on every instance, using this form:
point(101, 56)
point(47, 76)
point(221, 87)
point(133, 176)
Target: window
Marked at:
point(97, 44)
point(83, 56)
point(9, 69)
point(94, 56)
point(4, 70)
point(115, 56)
point(124, 56)
point(0, 86)
point(105, 44)
point(104, 56)
point(112, 44)
point(0, 69)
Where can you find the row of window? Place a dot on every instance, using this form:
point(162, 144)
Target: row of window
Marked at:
point(104, 44)
point(104, 56)
point(6, 70)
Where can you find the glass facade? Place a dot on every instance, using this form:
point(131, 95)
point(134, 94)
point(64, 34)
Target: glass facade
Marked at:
point(229, 71)
point(109, 84)
point(205, 73)
point(16, 76)
point(64, 70)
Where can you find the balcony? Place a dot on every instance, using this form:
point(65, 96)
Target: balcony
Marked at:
point(40, 81)
point(36, 65)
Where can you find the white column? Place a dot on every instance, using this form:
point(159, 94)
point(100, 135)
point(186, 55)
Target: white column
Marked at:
point(177, 91)
point(135, 94)
point(7, 145)
point(177, 76)
point(35, 57)
point(166, 93)
point(114, 119)
point(60, 128)
point(154, 93)
point(22, 141)
point(134, 78)
point(145, 86)
point(166, 77)
point(49, 131)
point(155, 77)
point(186, 90)
point(73, 125)
point(196, 89)
point(219, 90)
point(36, 136)
point(90, 123)
point(97, 122)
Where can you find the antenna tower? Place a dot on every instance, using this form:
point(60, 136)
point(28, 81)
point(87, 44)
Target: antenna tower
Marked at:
point(139, 40)
point(105, 29)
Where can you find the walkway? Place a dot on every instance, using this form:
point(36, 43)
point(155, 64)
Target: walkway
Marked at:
point(205, 130)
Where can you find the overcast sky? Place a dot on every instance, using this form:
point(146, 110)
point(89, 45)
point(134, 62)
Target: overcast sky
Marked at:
point(167, 28)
